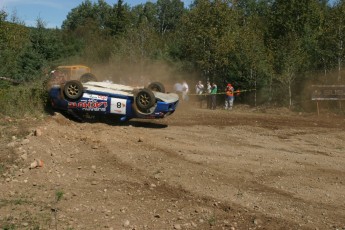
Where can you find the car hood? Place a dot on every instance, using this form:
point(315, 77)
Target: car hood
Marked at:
point(112, 88)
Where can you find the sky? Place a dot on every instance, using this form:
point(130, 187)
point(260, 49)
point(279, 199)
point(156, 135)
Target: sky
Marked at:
point(52, 12)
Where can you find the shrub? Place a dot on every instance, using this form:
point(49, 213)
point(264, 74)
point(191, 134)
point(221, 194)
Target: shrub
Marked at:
point(27, 99)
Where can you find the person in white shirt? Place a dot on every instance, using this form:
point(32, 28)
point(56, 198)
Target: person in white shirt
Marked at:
point(199, 89)
point(208, 94)
point(185, 91)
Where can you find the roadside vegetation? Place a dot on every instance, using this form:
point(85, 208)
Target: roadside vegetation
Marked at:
point(28, 99)
point(276, 48)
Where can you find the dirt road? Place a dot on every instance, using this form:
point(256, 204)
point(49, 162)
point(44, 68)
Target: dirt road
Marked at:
point(197, 169)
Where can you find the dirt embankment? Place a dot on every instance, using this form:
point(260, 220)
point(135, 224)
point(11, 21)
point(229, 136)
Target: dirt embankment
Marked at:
point(197, 169)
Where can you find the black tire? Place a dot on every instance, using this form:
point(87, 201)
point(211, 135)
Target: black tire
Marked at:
point(145, 99)
point(86, 77)
point(73, 90)
point(156, 86)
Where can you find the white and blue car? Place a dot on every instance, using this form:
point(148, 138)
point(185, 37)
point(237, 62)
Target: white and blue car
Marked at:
point(113, 100)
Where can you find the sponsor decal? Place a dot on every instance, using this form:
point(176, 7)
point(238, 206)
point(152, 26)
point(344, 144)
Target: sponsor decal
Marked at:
point(89, 105)
point(95, 96)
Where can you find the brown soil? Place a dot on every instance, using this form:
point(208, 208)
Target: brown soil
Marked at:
point(197, 169)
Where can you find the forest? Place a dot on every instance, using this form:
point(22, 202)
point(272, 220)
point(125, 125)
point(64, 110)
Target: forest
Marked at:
point(276, 48)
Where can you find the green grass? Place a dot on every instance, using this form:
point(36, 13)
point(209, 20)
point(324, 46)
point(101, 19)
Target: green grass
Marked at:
point(58, 195)
point(19, 201)
point(2, 168)
point(212, 219)
point(8, 227)
point(339, 147)
point(35, 220)
point(23, 100)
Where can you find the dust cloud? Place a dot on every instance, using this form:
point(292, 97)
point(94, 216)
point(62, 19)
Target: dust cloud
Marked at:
point(304, 91)
point(141, 74)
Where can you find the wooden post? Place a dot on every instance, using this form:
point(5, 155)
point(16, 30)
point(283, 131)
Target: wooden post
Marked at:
point(317, 106)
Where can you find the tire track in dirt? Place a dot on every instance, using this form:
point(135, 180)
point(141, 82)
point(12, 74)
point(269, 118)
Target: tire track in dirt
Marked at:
point(169, 191)
point(282, 195)
point(199, 169)
point(179, 157)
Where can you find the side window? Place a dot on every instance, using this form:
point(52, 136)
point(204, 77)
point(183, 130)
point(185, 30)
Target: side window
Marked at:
point(81, 71)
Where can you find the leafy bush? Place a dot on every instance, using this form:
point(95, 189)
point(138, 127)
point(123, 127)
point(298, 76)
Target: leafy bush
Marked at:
point(23, 100)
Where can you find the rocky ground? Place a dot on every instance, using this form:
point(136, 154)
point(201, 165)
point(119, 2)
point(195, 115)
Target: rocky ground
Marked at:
point(197, 169)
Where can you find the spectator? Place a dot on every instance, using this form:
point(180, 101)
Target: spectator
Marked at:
point(185, 91)
point(214, 96)
point(199, 89)
point(178, 89)
point(229, 97)
point(208, 94)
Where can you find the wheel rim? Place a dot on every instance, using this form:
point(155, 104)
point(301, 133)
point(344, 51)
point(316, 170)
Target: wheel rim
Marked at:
point(144, 99)
point(73, 90)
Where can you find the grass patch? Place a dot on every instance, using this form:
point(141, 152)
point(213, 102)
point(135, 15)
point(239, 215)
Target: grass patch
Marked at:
point(339, 148)
point(25, 211)
point(18, 201)
point(58, 195)
point(23, 100)
point(9, 226)
point(2, 168)
point(20, 105)
point(212, 220)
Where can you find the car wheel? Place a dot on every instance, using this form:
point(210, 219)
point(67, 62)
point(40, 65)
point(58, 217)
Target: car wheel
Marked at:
point(87, 77)
point(145, 99)
point(73, 90)
point(156, 86)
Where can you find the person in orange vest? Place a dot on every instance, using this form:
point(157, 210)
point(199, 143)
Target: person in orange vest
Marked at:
point(229, 97)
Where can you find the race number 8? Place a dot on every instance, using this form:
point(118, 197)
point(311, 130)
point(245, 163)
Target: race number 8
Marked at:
point(118, 106)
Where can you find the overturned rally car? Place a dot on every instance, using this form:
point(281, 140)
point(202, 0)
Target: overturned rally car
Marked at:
point(120, 102)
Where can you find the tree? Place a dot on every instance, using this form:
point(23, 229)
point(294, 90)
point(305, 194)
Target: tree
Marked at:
point(169, 13)
point(90, 24)
point(320, 39)
point(13, 40)
point(291, 37)
point(207, 37)
point(3, 16)
point(137, 47)
point(103, 10)
point(338, 21)
point(253, 62)
point(46, 42)
point(119, 19)
point(293, 63)
point(79, 16)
